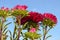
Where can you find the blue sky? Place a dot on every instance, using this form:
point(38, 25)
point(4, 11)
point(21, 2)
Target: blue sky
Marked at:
point(51, 6)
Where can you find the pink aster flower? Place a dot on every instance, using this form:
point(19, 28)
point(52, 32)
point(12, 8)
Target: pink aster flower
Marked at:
point(20, 7)
point(3, 8)
point(32, 30)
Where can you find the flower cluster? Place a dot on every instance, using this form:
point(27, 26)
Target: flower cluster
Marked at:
point(46, 18)
point(28, 20)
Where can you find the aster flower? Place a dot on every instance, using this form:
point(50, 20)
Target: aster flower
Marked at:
point(49, 19)
point(35, 16)
point(20, 7)
point(5, 9)
point(24, 19)
point(4, 12)
point(19, 10)
point(32, 30)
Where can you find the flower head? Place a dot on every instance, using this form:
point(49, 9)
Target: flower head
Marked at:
point(51, 17)
point(3, 8)
point(24, 19)
point(36, 17)
point(49, 20)
point(20, 7)
point(4, 12)
point(33, 18)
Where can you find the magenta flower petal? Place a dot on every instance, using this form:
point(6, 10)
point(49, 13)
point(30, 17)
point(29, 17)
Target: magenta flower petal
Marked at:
point(32, 30)
point(36, 17)
point(20, 7)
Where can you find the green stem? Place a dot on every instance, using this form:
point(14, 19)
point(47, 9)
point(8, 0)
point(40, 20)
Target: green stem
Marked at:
point(32, 39)
point(1, 27)
point(0, 34)
point(19, 23)
point(44, 33)
point(1, 31)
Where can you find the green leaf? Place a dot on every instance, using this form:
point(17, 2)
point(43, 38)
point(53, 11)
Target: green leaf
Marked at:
point(5, 29)
point(14, 31)
point(7, 24)
point(48, 36)
point(24, 26)
point(25, 39)
point(6, 32)
point(16, 37)
point(11, 38)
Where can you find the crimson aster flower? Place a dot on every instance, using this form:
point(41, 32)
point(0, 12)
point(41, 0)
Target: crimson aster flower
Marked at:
point(33, 16)
point(24, 19)
point(49, 19)
point(36, 17)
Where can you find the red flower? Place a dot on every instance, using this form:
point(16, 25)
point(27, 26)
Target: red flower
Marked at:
point(51, 17)
point(20, 7)
point(35, 16)
point(24, 19)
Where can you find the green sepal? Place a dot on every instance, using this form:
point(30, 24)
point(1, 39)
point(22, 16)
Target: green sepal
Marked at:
point(32, 35)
